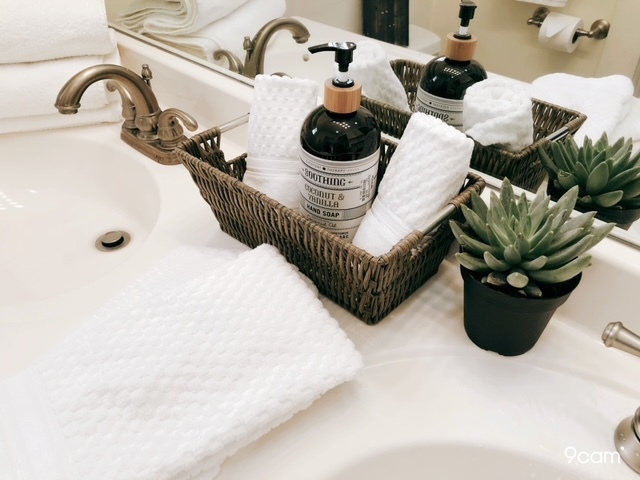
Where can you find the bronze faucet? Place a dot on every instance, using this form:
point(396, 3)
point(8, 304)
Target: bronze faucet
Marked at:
point(151, 131)
point(256, 48)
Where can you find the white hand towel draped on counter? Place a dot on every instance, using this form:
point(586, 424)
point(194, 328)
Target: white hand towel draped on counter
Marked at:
point(278, 108)
point(498, 112)
point(604, 100)
point(196, 359)
point(427, 169)
point(371, 67)
point(228, 32)
point(36, 30)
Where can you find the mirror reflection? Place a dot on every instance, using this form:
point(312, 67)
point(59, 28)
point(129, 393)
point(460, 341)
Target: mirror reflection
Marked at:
point(246, 37)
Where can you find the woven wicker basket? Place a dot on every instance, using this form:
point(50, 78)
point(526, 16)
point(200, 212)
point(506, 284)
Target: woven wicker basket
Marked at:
point(523, 168)
point(369, 287)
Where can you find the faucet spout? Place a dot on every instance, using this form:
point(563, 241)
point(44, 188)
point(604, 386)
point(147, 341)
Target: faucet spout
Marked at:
point(256, 48)
point(143, 98)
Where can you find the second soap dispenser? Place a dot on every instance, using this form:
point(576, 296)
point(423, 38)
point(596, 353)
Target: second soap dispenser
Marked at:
point(339, 151)
point(446, 79)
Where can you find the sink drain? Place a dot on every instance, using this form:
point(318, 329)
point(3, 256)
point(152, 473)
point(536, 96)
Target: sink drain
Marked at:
point(114, 240)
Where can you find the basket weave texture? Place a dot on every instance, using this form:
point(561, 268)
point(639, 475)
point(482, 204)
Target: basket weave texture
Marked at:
point(523, 168)
point(369, 287)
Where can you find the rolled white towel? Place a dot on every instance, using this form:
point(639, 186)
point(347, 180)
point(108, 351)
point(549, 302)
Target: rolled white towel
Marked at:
point(175, 17)
point(371, 67)
point(278, 109)
point(498, 112)
point(604, 100)
point(35, 30)
point(28, 93)
point(228, 32)
point(177, 372)
point(427, 170)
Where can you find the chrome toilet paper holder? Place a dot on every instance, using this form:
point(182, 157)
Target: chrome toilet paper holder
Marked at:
point(599, 28)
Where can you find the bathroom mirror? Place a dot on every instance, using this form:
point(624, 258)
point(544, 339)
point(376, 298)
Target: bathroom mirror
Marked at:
point(506, 46)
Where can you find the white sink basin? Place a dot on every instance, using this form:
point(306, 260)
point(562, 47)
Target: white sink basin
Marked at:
point(59, 191)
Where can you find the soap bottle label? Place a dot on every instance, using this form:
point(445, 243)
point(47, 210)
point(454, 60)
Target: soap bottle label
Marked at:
point(447, 110)
point(336, 195)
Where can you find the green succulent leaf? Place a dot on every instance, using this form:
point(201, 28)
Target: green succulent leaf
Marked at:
point(472, 263)
point(582, 220)
point(495, 264)
point(547, 162)
point(566, 180)
point(563, 273)
point(497, 279)
point(624, 178)
point(631, 190)
point(608, 199)
point(567, 238)
point(479, 206)
point(517, 280)
point(570, 252)
point(532, 290)
point(476, 247)
point(475, 222)
point(598, 178)
point(535, 264)
point(512, 255)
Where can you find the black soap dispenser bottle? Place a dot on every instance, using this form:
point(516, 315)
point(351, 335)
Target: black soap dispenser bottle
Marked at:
point(339, 151)
point(445, 79)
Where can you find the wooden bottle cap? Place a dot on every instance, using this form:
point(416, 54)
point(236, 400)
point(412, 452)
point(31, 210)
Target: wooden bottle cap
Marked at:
point(460, 50)
point(342, 100)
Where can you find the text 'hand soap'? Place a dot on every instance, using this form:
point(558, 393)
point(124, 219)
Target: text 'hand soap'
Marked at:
point(339, 152)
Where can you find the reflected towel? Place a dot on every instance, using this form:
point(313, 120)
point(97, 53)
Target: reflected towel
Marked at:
point(35, 30)
point(372, 68)
point(196, 359)
point(604, 100)
point(427, 170)
point(29, 91)
point(175, 17)
point(498, 112)
point(227, 33)
point(278, 110)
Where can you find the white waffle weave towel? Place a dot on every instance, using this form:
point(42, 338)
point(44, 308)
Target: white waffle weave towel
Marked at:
point(372, 68)
point(196, 359)
point(278, 110)
point(498, 112)
point(427, 169)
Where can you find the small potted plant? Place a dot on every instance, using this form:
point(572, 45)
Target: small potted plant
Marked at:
point(520, 260)
point(607, 176)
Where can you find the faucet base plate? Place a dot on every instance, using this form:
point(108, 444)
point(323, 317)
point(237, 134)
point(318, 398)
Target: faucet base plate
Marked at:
point(151, 150)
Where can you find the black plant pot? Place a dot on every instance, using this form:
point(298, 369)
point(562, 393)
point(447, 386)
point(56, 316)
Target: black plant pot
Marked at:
point(504, 323)
point(622, 217)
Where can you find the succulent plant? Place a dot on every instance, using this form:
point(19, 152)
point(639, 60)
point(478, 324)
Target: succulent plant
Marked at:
point(607, 175)
point(522, 244)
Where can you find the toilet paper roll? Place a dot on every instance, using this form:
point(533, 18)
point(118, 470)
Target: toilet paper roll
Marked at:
point(557, 32)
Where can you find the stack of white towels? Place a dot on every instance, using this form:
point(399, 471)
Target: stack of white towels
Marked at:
point(200, 27)
point(45, 43)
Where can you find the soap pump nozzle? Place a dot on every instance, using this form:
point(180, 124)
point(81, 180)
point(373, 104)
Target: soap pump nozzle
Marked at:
point(467, 10)
point(343, 57)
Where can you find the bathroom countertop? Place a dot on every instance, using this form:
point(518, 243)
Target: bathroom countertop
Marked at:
point(424, 383)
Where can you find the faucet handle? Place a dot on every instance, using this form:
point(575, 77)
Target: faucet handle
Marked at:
point(616, 335)
point(170, 132)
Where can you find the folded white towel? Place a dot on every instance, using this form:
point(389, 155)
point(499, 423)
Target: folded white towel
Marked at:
point(278, 109)
point(371, 67)
point(175, 17)
point(227, 33)
point(629, 126)
point(36, 30)
point(427, 170)
point(175, 374)
point(604, 100)
point(29, 90)
point(498, 112)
